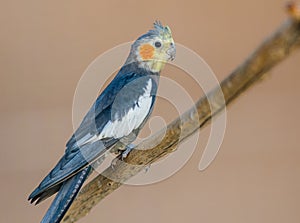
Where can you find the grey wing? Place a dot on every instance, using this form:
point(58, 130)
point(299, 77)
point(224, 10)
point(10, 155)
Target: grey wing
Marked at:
point(125, 98)
point(100, 112)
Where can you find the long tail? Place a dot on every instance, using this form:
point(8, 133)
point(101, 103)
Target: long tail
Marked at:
point(65, 197)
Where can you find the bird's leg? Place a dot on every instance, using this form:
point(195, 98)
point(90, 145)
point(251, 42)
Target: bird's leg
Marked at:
point(127, 150)
point(123, 154)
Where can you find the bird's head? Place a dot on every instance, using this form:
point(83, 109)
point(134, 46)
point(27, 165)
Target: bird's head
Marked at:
point(153, 49)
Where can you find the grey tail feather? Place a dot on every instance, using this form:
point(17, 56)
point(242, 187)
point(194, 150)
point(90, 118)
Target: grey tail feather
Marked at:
point(65, 197)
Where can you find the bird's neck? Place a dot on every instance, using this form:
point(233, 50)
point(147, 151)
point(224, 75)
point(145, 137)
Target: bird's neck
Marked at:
point(138, 68)
point(154, 66)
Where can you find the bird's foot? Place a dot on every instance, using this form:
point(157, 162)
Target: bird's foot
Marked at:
point(127, 150)
point(122, 155)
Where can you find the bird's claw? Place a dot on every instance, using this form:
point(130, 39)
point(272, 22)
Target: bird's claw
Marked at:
point(122, 154)
point(127, 150)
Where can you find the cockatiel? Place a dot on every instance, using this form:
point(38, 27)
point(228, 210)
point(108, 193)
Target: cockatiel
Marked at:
point(117, 116)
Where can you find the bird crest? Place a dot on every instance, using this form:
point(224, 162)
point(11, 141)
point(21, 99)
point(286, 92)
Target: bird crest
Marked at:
point(163, 31)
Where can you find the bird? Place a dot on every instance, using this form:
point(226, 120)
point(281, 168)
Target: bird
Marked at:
point(116, 117)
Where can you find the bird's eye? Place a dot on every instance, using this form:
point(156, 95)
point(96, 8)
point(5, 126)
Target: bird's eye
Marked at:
point(157, 44)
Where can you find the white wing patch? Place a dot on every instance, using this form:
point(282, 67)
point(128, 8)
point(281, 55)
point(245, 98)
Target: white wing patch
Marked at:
point(132, 120)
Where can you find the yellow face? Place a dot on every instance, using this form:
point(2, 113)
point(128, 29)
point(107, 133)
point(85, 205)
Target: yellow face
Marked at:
point(156, 52)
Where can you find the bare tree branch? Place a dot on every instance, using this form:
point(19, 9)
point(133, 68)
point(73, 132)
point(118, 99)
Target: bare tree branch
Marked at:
point(272, 51)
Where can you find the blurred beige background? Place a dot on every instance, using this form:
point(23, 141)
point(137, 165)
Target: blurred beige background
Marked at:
point(46, 46)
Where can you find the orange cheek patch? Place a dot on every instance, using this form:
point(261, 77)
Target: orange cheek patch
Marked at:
point(146, 51)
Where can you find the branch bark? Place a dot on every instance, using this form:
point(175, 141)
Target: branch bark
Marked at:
point(272, 51)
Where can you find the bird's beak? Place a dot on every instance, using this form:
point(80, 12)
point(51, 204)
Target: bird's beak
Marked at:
point(172, 51)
